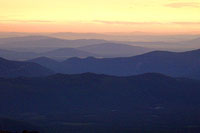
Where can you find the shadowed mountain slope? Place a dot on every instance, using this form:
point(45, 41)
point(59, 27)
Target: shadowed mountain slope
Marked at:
point(90, 102)
point(10, 68)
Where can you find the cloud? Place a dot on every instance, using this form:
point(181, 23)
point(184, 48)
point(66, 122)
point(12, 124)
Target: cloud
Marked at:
point(181, 5)
point(28, 21)
point(145, 23)
point(124, 22)
point(187, 23)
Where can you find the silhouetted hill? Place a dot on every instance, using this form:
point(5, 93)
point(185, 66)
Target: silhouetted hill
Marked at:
point(183, 64)
point(92, 103)
point(115, 50)
point(10, 68)
point(46, 62)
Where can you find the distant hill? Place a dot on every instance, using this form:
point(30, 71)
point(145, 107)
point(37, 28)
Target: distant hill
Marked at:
point(175, 45)
point(64, 53)
point(21, 39)
point(14, 55)
point(195, 43)
point(95, 50)
point(179, 64)
point(59, 54)
point(144, 103)
point(115, 50)
point(43, 41)
point(10, 68)
point(175, 42)
point(132, 37)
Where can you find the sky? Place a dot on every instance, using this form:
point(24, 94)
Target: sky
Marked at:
point(149, 16)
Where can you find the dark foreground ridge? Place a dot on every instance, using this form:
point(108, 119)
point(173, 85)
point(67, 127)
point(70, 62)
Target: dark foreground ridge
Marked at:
point(25, 131)
point(92, 103)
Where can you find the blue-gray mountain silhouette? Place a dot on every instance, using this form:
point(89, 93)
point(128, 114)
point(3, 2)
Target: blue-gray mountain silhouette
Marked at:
point(183, 64)
point(10, 68)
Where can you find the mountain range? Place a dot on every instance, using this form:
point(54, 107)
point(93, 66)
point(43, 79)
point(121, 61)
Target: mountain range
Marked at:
point(58, 54)
point(162, 42)
point(178, 64)
point(98, 86)
point(36, 46)
point(45, 41)
point(115, 50)
point(15, 55)
point(29, 47)
point(93, 103)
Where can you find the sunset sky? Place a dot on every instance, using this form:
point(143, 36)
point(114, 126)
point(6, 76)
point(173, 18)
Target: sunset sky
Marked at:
point(153, 16)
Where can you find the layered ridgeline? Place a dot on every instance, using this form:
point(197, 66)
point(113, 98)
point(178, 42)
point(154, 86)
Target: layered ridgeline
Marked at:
point(28, 47)
point(10, 68)
point(99, 50)
point(178, 64)
point(24, 48)
point(44, 41)
point(114, 50)
point(91, 103)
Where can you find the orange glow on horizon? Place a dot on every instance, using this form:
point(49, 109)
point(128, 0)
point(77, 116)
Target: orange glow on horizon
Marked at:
point(152, 16)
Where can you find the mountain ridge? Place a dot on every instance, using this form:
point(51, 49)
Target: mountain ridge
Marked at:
point(175, 64)
point(115, 49)
point(10, 68)
point(85, 98)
